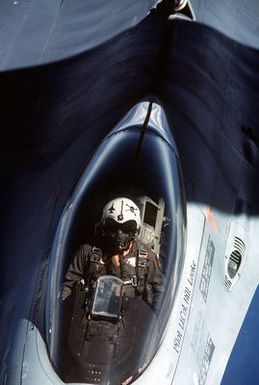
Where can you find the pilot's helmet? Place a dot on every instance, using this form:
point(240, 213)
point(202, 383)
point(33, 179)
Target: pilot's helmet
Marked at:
point(121, 222)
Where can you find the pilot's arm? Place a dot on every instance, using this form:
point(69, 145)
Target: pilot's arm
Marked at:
point(76, 270)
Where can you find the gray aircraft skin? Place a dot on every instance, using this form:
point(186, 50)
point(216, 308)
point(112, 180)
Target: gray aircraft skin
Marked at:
point(34, 32)
point(70, 73)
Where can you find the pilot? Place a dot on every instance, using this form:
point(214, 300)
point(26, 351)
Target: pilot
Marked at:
point(118, 252)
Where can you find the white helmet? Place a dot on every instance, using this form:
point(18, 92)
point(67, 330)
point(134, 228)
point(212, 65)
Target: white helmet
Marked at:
point(124, 212)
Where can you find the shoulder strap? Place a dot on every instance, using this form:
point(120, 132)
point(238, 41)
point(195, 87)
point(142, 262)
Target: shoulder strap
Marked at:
point(94, 260)
point(142, 268)
point(142, 258)
point(95, 255)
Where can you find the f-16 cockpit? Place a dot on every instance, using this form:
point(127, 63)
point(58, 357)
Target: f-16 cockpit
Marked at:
point(107, 336)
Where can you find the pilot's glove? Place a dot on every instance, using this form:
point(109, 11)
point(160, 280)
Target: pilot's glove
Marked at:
point(65, 293)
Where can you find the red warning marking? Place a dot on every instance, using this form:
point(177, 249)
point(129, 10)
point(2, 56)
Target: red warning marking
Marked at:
point(210, 217)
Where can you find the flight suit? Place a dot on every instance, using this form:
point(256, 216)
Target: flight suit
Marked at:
point(141, 266)
point(94, 347)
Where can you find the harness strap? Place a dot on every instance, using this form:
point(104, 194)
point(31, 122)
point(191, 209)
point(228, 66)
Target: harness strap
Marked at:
point(142, 268)
point(94, 260)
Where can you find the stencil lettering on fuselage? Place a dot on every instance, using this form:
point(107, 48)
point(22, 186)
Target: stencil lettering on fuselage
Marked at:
point(184, 308)
point(198, 336)
point(209, 350)
point(207, 269)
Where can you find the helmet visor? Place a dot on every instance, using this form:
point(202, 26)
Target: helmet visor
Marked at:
point(112, 226)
